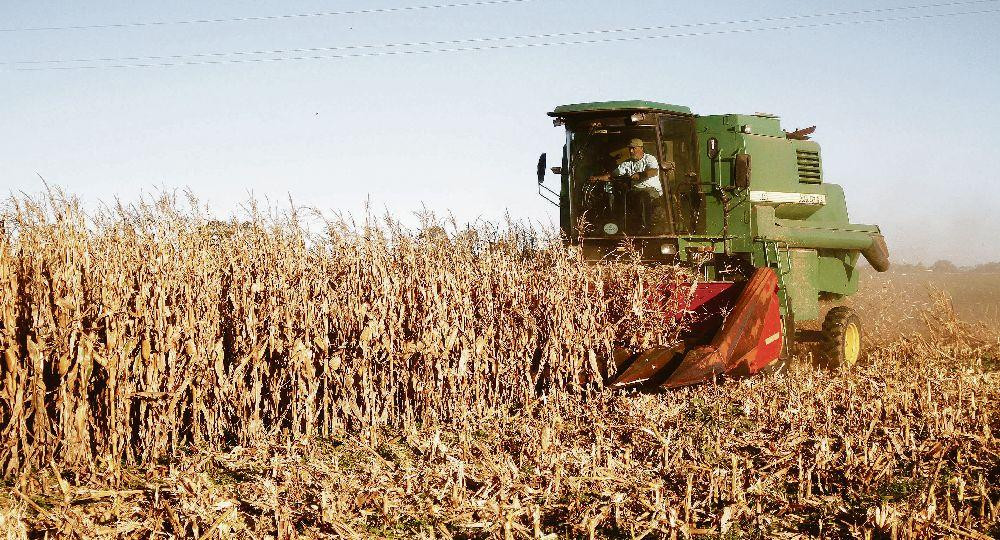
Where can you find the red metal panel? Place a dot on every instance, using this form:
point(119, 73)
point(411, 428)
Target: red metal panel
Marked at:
point(772, 338)
point(738, 327)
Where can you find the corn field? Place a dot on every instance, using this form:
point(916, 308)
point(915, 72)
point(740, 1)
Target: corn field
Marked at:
point(166, 374)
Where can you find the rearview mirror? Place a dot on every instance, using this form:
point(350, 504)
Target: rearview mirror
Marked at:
point(541, 168)
point(741, 171)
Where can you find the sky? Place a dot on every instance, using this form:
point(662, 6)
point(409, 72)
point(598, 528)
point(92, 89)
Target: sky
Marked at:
point(905, 109)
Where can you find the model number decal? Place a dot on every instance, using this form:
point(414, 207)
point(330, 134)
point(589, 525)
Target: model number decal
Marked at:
point(781, 197)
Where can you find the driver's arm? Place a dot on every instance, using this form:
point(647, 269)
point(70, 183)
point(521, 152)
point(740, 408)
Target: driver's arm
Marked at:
point(648, 172)
point(619, 172)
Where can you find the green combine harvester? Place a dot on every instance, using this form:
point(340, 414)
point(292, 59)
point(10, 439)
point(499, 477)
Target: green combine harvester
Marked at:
point(735, 197)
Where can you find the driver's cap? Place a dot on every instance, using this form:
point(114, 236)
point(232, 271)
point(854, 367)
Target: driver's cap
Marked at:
point(635, 143)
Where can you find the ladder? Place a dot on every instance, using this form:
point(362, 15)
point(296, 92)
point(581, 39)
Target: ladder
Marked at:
point(782, 270)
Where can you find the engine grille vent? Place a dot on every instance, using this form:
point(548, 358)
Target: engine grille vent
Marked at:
point(810, 169)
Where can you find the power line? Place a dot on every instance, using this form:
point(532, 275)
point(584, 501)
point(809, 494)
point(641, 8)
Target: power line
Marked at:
point(502, 38)
point(480, 48)
point(366, 11)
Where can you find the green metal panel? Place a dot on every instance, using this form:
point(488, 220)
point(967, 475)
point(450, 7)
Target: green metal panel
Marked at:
point(802, 283)
point(600, 106)
point(835, 209)
point(768, 126)
point(800, 233)
point(773, 163)
point(717, 173)
point(838, 272)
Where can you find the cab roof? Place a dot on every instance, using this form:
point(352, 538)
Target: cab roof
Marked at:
point(631, 105)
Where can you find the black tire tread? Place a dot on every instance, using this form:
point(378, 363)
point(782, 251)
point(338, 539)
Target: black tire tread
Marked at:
point(834, 326)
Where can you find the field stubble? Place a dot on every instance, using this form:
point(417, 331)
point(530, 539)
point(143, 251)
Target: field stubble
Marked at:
point(167, 374)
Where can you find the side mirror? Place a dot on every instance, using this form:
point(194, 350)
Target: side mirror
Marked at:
point(541, 168)
point(741, 171)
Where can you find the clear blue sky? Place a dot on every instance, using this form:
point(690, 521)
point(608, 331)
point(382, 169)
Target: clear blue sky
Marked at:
point(906, 110)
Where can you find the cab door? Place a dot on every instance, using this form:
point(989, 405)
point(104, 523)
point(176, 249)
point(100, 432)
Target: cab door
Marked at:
point(678, 146)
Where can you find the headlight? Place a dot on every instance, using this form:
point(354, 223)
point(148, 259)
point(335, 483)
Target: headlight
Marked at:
point(668, 249)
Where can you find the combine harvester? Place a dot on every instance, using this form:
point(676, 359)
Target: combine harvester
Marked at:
point(733, 196)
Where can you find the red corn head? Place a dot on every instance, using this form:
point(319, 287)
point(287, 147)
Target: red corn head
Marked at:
point(739, 343)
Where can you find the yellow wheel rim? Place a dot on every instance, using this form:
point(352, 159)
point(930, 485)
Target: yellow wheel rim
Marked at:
point(852, 344)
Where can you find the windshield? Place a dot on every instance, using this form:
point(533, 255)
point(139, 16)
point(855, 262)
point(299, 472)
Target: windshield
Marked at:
point(622, 175)
point(617, 194)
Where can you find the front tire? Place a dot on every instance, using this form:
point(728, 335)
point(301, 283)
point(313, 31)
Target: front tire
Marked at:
point(842, 338)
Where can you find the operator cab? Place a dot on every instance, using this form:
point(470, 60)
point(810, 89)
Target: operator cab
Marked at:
point(620, 206)
point(600, 208)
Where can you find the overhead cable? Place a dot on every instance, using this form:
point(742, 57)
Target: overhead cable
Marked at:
point(366, 11)
point(500, 38)
point(481, 48)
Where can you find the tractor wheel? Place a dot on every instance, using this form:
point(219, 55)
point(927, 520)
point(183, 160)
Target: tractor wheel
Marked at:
point(841, 345)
